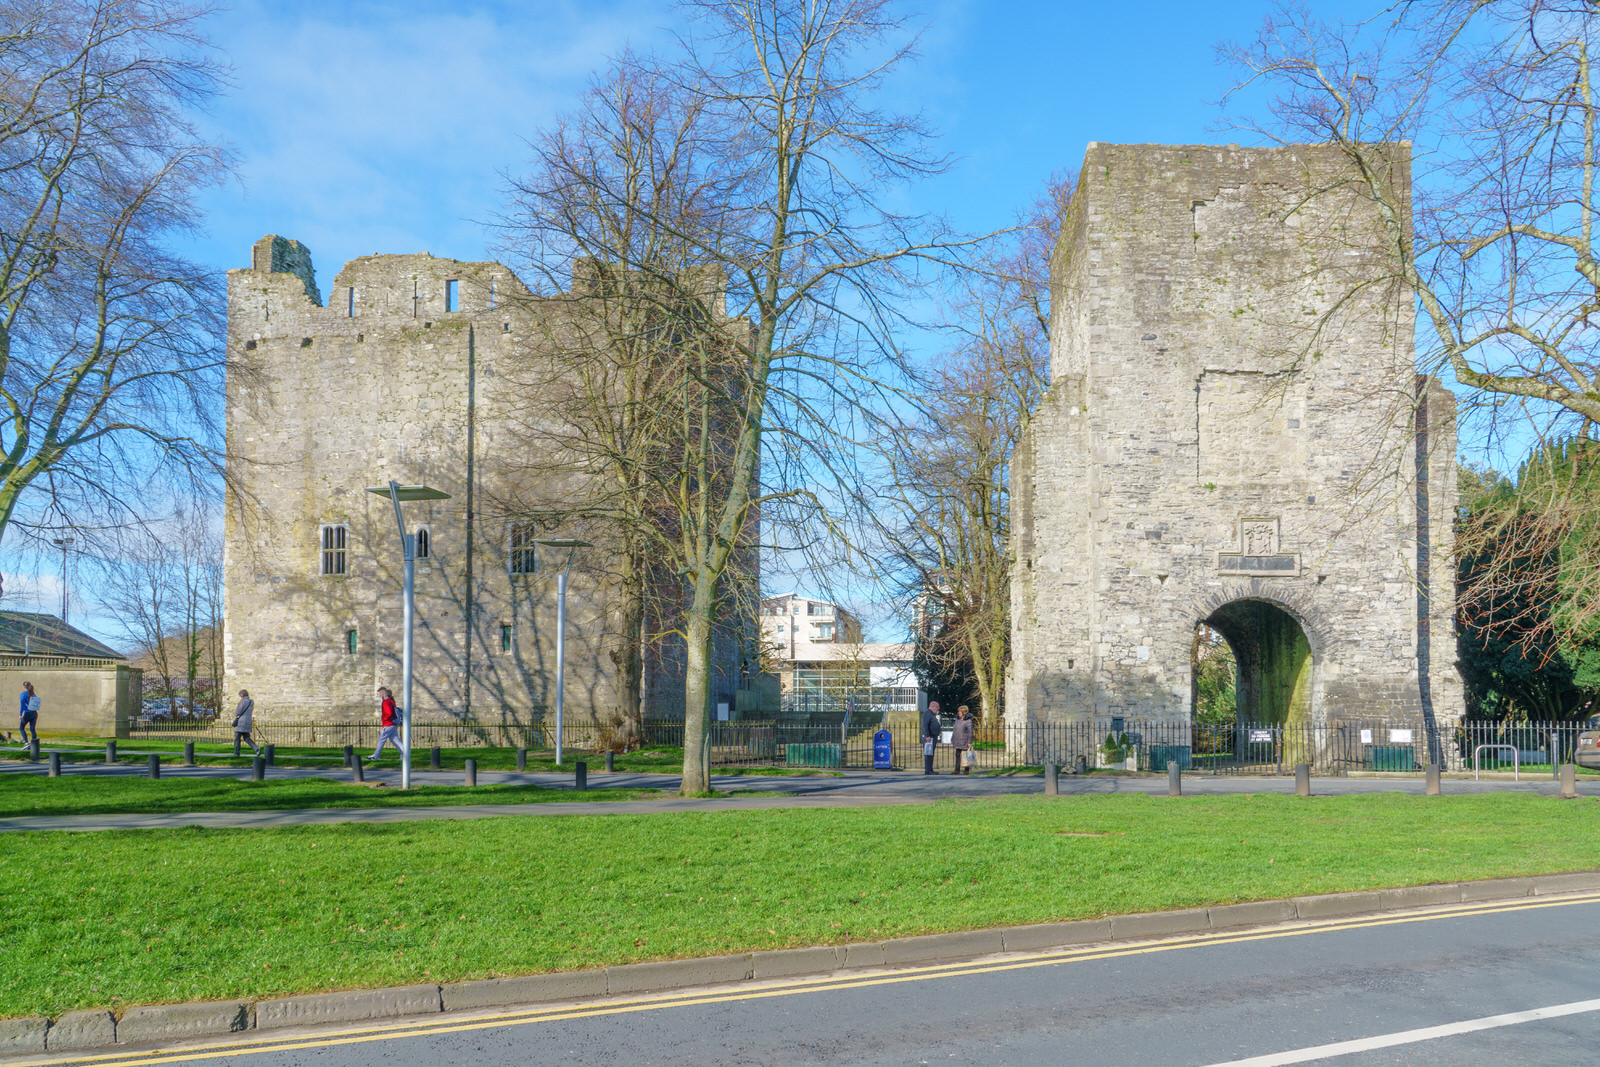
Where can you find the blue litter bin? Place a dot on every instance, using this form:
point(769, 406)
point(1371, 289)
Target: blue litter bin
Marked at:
point(883, 751)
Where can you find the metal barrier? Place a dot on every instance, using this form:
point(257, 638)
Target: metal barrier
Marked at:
point(1516, 765)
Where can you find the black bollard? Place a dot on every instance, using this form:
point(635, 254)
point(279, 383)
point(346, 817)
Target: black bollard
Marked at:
point(350, 757)
point(1052, 783)
point(1431, 774)
point(1174, 779)
point(188, 753)
point(33, 749)
point(522, 759)
point(258, 769)
point(582, 781)
point(272, 754)
point(611, 764)
point(55, 765)
point(1302, 779)
point(472, 773)
point(111, 752)
point(433, 758)
point(359, 769)
point(155, 766)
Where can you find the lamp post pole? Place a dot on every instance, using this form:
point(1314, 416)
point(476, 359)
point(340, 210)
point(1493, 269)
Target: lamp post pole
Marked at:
point(63, 543)
point(408, 548)
point(561, 650)
point(571, 545)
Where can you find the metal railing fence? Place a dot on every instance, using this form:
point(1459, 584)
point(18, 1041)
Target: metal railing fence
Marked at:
point(836, 741)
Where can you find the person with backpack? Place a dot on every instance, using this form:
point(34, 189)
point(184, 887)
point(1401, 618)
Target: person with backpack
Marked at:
point(244, 722)
point(29, 712)
point(389, 716)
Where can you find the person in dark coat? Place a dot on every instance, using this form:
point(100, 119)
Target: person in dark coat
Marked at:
point(244, 722)
point(961, 739)
point(931, 729)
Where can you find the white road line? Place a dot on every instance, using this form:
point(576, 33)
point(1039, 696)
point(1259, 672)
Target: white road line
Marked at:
point(1410, 1037)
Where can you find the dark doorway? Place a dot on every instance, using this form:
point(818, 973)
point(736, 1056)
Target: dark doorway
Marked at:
point(1273, 656)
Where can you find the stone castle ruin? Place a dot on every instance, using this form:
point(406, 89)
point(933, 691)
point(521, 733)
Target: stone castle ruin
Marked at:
point(1234, 436)
point(416, 370)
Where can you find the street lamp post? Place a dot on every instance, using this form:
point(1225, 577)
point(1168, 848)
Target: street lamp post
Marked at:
point(572, 545)
point(408, 547)
point(63, 543)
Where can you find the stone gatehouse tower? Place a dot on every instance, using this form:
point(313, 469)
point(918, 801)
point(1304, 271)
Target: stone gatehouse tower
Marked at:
point(1234, 435)
point(416, 369)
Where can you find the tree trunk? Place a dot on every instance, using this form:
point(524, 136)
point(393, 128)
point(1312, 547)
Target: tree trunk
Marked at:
point(697, 684)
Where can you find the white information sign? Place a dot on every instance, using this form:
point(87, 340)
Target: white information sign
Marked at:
point(1403, 736)
point(1261, 737)
point(1366, 737)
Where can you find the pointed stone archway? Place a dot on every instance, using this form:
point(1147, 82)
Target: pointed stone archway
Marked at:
point(1275, 661)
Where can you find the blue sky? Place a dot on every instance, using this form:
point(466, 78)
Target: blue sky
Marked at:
point(366, 128)
point(372, 127)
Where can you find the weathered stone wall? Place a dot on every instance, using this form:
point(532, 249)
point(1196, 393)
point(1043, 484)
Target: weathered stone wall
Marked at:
point(1230, 418)
point(384, 382)
point(76, 696)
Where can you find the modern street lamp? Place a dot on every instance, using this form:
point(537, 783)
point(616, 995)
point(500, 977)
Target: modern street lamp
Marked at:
point(571, 544)
point(408, 546)
point(63, 543)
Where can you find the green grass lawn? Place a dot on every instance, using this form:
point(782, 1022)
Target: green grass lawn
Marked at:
point(27, 794)
point(147, 916)
point(658, 760)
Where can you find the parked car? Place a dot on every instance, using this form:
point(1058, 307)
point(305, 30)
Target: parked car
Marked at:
point(1587, 752)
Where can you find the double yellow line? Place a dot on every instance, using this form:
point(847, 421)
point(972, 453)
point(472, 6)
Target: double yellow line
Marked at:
point(455, 1024)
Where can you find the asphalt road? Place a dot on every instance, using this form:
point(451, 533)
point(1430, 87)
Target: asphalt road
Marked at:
point(1292, 994)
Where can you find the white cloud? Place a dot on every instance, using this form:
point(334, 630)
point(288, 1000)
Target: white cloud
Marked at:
point(375, 128)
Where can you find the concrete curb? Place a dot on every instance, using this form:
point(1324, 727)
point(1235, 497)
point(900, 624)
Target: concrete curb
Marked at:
point(162, 1022)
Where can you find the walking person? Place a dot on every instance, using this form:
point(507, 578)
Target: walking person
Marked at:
point(389, 715)
point(931, 729)
point(244, 722)
point(961, 740)
point(29, 712)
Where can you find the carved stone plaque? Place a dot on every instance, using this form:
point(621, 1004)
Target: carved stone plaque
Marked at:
point(1260, 554)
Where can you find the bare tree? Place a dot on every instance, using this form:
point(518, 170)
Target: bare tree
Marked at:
point(950, 470)
point(781, 207)
point(110, 350)
point(1496, 100)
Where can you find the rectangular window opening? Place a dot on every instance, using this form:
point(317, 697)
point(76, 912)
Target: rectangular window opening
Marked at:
point(334, 538)
point(452, 295)
point(424, 543)
point(505, 637)
point(491, 294)
point(350, 308)
point(524, 550)
point(350, 642)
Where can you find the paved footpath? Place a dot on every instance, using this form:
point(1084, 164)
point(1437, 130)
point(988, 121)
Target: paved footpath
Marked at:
point(853, 789)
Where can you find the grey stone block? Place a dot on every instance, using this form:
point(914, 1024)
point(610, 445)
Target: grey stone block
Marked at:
point(1043, 936)
point(963, 944)
point(866, 954)
point(523, 989)
point(786, 963)
point(1160, 924)
point(161, 1022)
point(1337, 905)
point(677, 974)
point(22, 1035)
point(1574, 882)
point(351, 1006)
point(81, 1029)
point(1496, 889)
point(1418, 896)
point(1254, 913)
